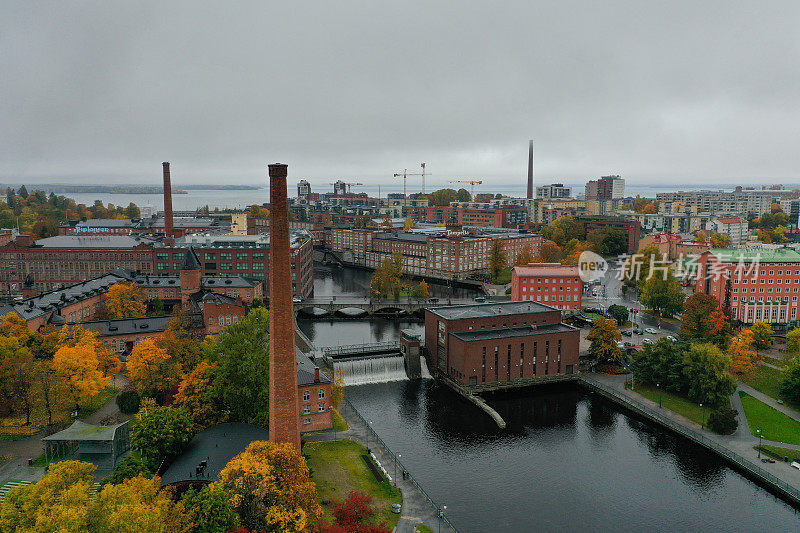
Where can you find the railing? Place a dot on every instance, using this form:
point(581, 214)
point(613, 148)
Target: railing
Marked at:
point(400, 465)
point(743, 463)
point(360, 348)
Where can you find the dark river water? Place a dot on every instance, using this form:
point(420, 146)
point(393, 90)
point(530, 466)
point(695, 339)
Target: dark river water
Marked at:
point(568, 460)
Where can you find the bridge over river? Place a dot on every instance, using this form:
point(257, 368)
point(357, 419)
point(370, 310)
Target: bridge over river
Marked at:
point(332, 305)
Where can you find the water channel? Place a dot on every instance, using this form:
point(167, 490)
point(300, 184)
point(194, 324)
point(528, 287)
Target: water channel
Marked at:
point(568, 460)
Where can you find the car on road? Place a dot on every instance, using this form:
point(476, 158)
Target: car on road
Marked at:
point(297, 299)
point(626, 332)
point(670, 338)
point(628, 344)
point(651, 331)
point(480, 299)
point(648, 341)
point(638, 331)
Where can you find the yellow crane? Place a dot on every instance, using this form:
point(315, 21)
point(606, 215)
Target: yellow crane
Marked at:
point(472, 184)
point(405, 175)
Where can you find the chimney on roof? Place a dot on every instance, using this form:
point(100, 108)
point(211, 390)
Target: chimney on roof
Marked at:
point(316, 374)
point(167, 201)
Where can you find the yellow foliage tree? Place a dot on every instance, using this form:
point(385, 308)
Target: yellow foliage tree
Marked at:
point(151, 368)
point(79, 366)
point(337, 389)
point(524, 256)
point(270, 488)
point(743, 355)
point(107, 361)
point(409, 223)
point(195, 395)
point(125, 300)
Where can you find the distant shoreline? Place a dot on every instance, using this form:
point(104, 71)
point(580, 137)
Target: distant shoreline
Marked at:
point(128, 189)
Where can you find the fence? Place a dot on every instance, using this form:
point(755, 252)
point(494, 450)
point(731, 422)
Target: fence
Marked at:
point(793, 493)
point(353, 349)
point(400, 465)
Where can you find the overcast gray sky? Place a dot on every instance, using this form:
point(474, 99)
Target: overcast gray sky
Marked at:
point(659, 92)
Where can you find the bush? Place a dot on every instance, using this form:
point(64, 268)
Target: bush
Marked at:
point(723, 421)
point(129, 468)
point(128, 401)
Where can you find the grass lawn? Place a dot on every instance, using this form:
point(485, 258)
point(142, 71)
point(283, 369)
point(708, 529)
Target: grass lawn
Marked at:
point(337, 468)
point(763, 379)
point(593, 315)
point(773, 424)
point(339, 423)
point(96, 402)
point(674, 402)
point(779, 453)
point(780, 363)
point(671, 320)
point(422, 528)
point(503, 278)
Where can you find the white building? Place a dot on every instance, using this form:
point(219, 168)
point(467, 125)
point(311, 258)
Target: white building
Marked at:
point(734, 226)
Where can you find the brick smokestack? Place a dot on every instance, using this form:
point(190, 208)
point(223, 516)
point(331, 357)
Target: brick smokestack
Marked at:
point(530, 170)
point(168, 231)
point(284, 424)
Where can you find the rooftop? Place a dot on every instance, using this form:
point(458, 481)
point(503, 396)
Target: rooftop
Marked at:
point(507, 333)
point(460, 312)
point(92, 241)
point(127, 326)
point(762, 255)
point(306, 370)
point(546, 269)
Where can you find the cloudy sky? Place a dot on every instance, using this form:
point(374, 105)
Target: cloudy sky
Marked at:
point(659, 92)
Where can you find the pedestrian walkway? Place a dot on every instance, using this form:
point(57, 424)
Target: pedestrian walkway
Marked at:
point(7, 486)
point(417, 509)
point(788, 411)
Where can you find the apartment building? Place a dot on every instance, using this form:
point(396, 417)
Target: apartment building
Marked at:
point(552, 284)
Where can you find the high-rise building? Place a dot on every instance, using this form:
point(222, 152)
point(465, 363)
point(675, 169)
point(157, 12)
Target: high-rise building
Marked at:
point(554, 191)
point(303, 189)
point(606, 188)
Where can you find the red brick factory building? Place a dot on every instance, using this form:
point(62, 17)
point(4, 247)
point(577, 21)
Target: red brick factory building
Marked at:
point(549, 283)
point(499, 343)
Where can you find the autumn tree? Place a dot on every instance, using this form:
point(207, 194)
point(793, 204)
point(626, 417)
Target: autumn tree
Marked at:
point(550, 252)
point(181, 344)
point(743, 356)
point(79, 366)
point(563, 230)
point(241, 375)
point(409, 223)
point(387, 278)
point(573, 250)
point(497, 259)
point(707, 371)
point(793, 341)
point(662, 294)
point(125, 300)
point(271, 489)
point(159, 431)
point(720, 240)
point(702, 236)
point(525, 257)
point(17, 375)
point(151, 369)
point(762, 335)
point(696, 319)
point(337, 389)
point(197, 396)
point(355, 513)
point(443, 197)
point(604, 337)
point(210, 510)
point(420, 291)
point(608, 241)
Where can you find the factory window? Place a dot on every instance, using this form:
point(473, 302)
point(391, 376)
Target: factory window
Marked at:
point(241, 266)
point(226, 255)
point(306, 396)
point(225, 266)
point(210, 255)
point(321, 407)
point(162, 255)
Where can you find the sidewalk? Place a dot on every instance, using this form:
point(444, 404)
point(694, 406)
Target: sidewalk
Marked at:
point(741, 442)
point(416, 507)
point(788, 411)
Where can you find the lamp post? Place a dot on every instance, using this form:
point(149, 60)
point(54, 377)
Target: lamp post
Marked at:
point(759, 443)
point(441, 515)
point(658, 386)
point(395, 469)
point(703, 421)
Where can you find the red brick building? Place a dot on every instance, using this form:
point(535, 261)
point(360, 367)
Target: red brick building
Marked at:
point(313, 396)
point(552, 284)
point(499, 342)
point(631, 228)
point(764, 284)
point(495, 216)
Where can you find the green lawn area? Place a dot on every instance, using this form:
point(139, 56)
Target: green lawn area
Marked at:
point(781, 363)
point(773, 424)
point(502, 278)
point(339, 423)
point(779, 453)
point(337, 468)
point(593, 315)
point(674, 402)
point(422, 528)
point(671, 320)
point(763, 379)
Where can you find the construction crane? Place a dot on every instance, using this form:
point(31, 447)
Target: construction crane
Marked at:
point(348, 185)
point(405, 175)
point(472, 184)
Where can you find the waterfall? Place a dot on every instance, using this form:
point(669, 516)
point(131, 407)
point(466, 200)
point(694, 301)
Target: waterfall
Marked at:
point(425, 373)
point(366, 370)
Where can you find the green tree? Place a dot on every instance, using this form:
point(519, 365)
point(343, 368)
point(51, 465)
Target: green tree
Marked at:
point(133, 465)
point(619, 313)
point(563, 230)
point(210, 510)
point(443, 197)
point(462, 195)
point(793, 341)
point(709, 378)
point(17, 376)
point(387, 278)
point(661, 364)
point(790, 385)
point(241, 375)
point(604, 337)
point(160, 431)
point(662, 294)
point(497, 259)
point(720, 240)
point(608, 241)
point(23, 192)
point(762, 335)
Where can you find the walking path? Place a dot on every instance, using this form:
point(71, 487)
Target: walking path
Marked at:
point(741, 443)
point(788, 411)
point(417, 509)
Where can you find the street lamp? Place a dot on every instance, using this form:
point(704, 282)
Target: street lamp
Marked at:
point(441, 515)
point(659, 394)
point(759, 443)
point(395, 469)
point(703, 420)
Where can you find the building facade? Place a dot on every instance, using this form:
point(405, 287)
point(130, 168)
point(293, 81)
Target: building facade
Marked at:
point(555, 191)
point(552, 284)
point(490, 343)
point(736, 227)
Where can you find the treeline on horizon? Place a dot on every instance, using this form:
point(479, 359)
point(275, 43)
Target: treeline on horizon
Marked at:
point(39, 214)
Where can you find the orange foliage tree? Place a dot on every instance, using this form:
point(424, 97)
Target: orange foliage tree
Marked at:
point(151, 368)
point(743, 355)
point(549, 252)
point(125, 300)
point(196, 396)
point(271, 489)
point(79, 366)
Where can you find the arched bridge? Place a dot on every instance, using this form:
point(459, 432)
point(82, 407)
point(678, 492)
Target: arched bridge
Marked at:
point(369, 306)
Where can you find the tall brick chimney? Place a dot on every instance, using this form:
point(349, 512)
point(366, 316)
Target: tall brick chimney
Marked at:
point(167, 201)
point(530, 170)
point(284, 423)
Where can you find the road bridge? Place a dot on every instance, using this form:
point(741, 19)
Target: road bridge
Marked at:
point(334, 305)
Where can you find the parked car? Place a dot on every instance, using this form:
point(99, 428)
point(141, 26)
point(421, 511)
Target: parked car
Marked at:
point(648, 341)
point(651, 331)
point(628, 344)
point(480, 299)
point(670, 338)
point(297, 299)
point(638, 331)
point(433, 300)
point(396, 508)
point(626, 332)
